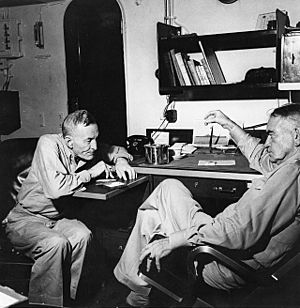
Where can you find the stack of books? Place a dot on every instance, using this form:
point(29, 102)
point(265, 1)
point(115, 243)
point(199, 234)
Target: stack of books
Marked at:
point(201, 69)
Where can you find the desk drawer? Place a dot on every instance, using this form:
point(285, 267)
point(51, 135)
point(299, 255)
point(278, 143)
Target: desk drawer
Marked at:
point(219, 189)
point(210, 188)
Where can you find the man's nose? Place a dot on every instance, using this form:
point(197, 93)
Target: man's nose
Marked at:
point(94, 145)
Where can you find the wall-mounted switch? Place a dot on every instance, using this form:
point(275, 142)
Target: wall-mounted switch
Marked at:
point(42, 119)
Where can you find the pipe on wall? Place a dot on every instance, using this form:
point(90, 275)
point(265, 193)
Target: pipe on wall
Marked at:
point(169, 12)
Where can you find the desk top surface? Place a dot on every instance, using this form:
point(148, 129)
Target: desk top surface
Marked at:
point(188, 166)
point(102, 192)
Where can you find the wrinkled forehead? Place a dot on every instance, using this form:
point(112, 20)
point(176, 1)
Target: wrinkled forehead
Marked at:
point(277, 124)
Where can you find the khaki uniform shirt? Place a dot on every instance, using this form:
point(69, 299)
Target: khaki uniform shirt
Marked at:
point(54, 173)
point(265, 222)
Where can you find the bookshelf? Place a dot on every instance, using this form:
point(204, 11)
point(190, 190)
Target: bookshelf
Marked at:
point(170, 40)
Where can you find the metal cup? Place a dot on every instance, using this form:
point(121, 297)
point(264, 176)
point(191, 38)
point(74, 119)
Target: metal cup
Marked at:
point(156, 154)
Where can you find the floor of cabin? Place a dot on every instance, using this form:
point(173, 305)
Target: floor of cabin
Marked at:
point(113, 294)
point(108, 292)
point(105, 292)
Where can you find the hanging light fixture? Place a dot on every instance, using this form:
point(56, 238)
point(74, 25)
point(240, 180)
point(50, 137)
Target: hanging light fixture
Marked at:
point(227, 1)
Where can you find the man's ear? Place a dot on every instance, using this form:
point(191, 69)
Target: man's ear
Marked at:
point(297, 137)
point(69, 141)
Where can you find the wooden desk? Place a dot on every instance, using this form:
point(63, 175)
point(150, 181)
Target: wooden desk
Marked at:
point(214, 187)
point(102, 192)
point(188, 167)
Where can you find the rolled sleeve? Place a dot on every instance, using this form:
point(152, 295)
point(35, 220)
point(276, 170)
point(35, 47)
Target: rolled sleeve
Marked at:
point(111, 153)
point(256, 153)
point(121, 152)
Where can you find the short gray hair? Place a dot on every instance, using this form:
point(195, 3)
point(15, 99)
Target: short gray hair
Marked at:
point(290, 112)
point(76, 118)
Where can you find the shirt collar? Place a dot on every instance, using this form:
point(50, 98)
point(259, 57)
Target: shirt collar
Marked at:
point(68, 151)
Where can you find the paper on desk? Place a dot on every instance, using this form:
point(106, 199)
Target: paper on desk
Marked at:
point(177, 146)
point(106, 180)
point(9, 297)
point(186, 148)
point(227, 162)
point(6, 300)
point(114, 184)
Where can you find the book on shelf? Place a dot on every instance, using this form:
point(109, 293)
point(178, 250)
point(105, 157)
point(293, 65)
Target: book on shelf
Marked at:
point(208, 72)
point(200, 69)
point(186, 59)
point(171, 76)
point(201, 73)
point(211, 63)
point(176, 67)
point(192, 68)
point(181, 62)
point(204, 70)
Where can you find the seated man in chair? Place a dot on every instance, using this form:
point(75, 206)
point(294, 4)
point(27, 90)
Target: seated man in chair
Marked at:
point(264, 223)
point(37, 225)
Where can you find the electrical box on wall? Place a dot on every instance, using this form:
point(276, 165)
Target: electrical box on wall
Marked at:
point(10, 39)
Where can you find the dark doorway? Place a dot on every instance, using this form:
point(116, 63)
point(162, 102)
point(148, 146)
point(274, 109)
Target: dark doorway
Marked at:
point(95, 65)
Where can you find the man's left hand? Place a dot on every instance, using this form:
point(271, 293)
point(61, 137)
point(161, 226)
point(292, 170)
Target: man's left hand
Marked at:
point(155, 251)
point(124, 170)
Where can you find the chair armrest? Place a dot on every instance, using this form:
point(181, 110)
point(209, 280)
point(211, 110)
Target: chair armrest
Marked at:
point(237, 266)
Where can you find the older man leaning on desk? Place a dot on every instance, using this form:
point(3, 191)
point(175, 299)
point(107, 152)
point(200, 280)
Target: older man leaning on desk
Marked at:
point(265, 222)
point(37, 225)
